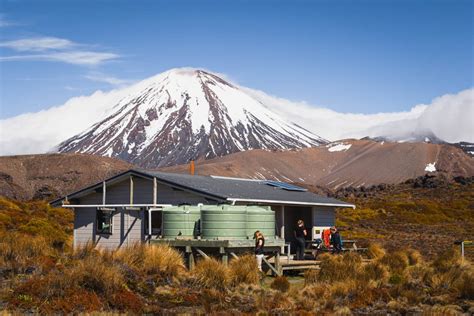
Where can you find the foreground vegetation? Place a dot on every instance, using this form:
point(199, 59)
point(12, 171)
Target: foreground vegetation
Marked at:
point(40, 273)
point(428, 214)
point(153, 279)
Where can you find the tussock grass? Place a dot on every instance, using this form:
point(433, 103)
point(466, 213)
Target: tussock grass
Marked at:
point(280, 283)
point(40, 277)
point(339, 268)
point(397, 261)
point(375, 251)
point(211, 274)
point(159, 260)
point(310, 277)
point(19, 252)
point(96, 275)
point(244, 270)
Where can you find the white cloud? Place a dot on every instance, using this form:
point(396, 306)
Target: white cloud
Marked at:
point(449, 117)
point(330, 124)
point(100, 77)
point(83, 58)
point(38, 44)
point(55, 49)
point(41, 131)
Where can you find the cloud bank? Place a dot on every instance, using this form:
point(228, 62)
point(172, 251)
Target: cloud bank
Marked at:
point(449, 117)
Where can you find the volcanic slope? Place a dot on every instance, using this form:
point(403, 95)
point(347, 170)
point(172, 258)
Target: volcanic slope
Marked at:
point(49, 176)
point(342, 164)
point(186, 114)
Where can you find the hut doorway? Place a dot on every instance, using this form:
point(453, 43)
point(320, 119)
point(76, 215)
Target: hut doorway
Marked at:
point(291, 216)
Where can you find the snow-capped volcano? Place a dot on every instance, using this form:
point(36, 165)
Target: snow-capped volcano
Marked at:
point(185, 114)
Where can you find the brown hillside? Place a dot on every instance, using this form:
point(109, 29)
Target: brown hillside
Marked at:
point(52, 175)
point(365, 163)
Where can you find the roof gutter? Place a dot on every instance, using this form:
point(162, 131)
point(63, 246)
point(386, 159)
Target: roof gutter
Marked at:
point(113, 205)
point(290, 202)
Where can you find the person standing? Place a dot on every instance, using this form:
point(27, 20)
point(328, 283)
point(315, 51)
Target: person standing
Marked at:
point(259, 244)
point(336, 240)
point(300, 236)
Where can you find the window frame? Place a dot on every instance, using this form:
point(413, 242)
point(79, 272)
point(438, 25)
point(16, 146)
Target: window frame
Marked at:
point(111, 226)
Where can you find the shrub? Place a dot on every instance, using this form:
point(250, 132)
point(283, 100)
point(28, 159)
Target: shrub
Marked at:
point(280, 283)
point(244, 270)
point(464, 285)
point(94, 274)
point(396, 261)
point(84, 251)
point(211, 274)
point(310, 277)
point(339, 268)
point(395, 279)
point(446, 260)
point(19, 252)
point(375, 271)
point(375, 251)
point(414, 257)
point(127, 301)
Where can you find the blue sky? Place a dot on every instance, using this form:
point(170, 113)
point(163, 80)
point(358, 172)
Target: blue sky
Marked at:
point(349, 56)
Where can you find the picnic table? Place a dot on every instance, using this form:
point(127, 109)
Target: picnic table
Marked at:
point(347, 245)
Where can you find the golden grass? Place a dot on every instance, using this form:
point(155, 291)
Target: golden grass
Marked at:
point(18, 252)
point(280, 283)
point(211, 274)
point(160, 261)
point(243, 270)
point(153, 279)
point(375, 251)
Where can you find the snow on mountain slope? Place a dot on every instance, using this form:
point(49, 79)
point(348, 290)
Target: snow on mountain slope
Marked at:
point(185, 114)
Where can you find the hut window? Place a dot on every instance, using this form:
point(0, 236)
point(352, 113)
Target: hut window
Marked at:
point(104, 221)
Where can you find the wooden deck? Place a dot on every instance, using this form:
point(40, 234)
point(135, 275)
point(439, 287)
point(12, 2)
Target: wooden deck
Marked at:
point(299, 265)
point(276, 258)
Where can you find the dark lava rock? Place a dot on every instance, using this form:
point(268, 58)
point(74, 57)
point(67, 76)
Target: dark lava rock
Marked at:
point(46, 193)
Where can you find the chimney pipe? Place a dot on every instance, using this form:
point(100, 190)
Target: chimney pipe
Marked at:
point(191, 168)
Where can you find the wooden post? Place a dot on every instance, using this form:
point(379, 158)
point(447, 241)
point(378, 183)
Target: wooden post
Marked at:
point(131, 190)
point(155, 193)
point(282, 230)
point(271, 267)
point(150, 231)
point(104, 192)
point(278, 266)
point(189, 252)
point(224, 256)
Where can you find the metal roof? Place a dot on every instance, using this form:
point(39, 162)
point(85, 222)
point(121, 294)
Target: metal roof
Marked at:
point(228, 189)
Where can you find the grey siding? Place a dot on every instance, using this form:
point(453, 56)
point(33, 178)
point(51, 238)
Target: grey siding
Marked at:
point(142, 191)
point(118, 193)
point(168, 195)
point(323, 216)
point(127, 225)
point(84, 226)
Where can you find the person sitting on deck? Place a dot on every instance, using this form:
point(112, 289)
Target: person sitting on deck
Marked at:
point(326, 237)
point(336, 240)
point(259, 244)
point(300, 236)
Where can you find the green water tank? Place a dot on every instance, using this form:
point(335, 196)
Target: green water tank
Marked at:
point(180, 220)
point(223, 222)
point(260, 218)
